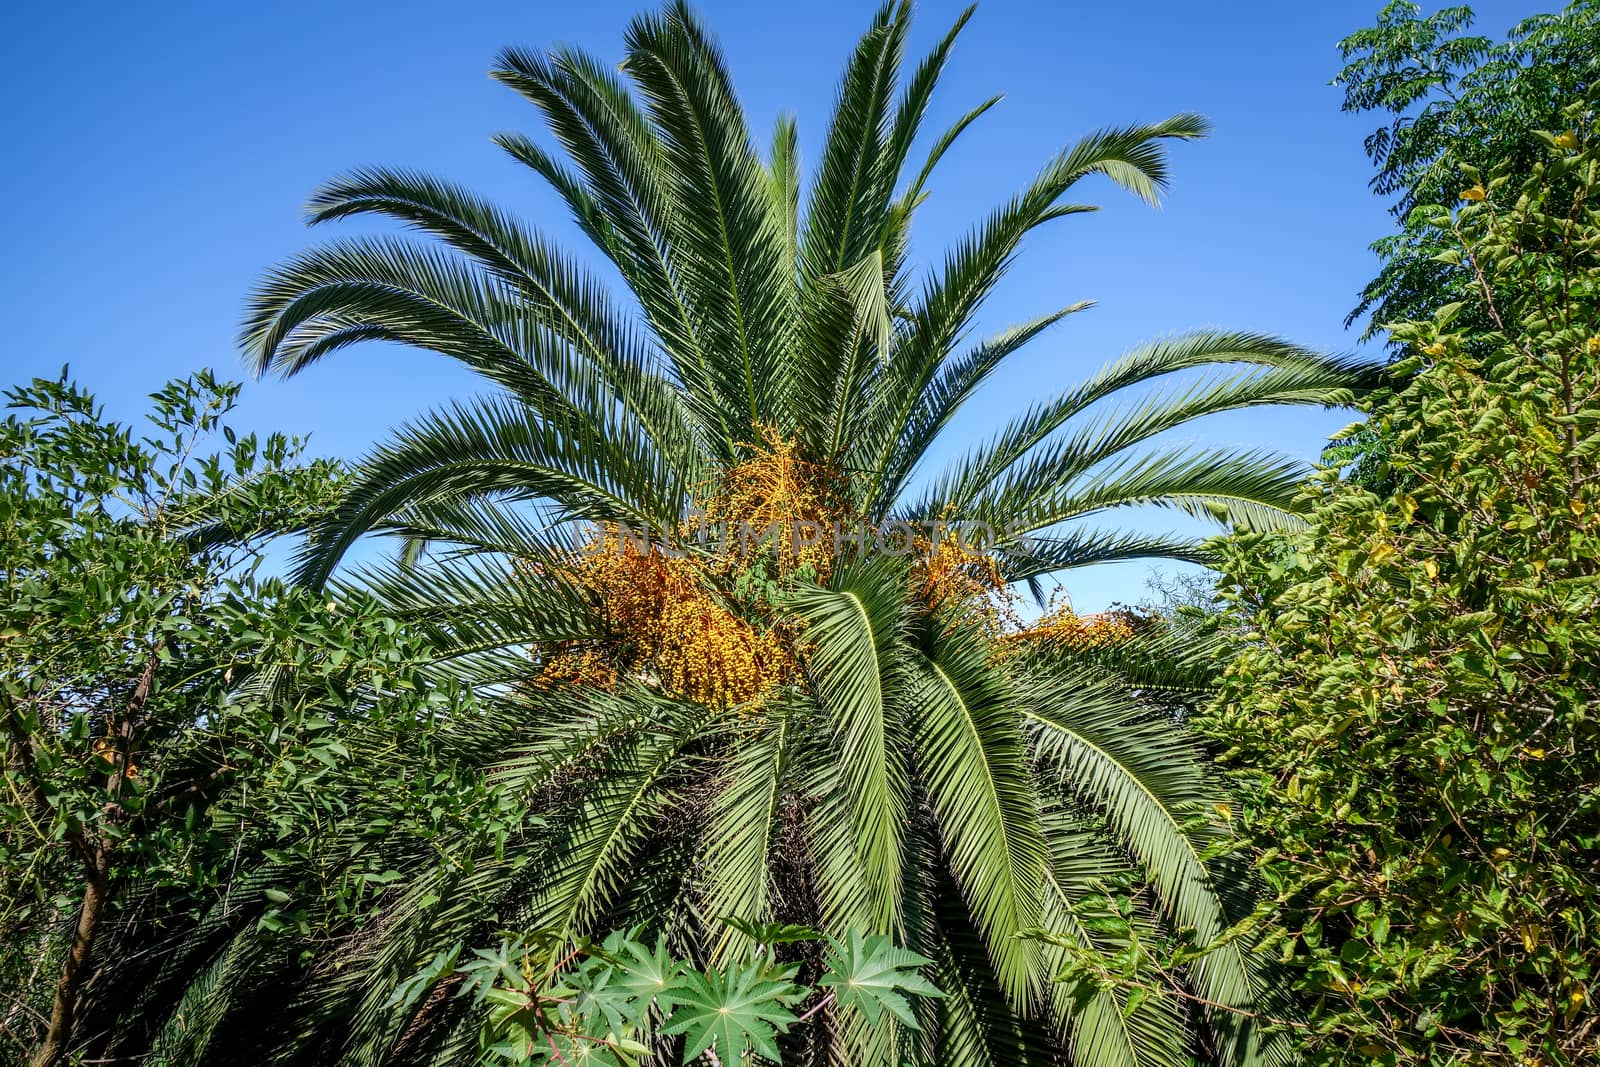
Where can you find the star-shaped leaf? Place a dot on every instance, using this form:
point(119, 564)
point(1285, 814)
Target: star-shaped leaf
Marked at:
point(647, 972)
point(624, 978)
point(873, 976)
point(732, 1013)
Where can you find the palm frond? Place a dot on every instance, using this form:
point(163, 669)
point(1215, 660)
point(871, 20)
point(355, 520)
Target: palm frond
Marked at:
point(971, 760)
point(625, 205)
point(1036, 555)
point(743, 827)
point(853, 630)
point(495, 448)
point(1250, 488)
point(916, 191)
point(588, 861)
point(1289, 375)
point(856, 174)
point(483, 617)
point(784, 178)
point(1131, 156)
point(974, 1025)
point(1100, 1028)
point(1148, 780)
point(722, 222)
point(389, 289)
point(918, 410)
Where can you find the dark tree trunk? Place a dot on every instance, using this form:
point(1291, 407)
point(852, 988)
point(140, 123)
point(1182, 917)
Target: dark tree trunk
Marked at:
point(96, 854)
point(76, 967)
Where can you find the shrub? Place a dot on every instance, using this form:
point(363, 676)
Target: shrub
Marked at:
point(1413, 709)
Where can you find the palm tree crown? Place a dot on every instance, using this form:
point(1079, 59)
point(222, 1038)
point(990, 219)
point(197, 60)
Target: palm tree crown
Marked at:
point(889, 759)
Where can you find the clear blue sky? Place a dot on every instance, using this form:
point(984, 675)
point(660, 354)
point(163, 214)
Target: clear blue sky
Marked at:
point(158, 155)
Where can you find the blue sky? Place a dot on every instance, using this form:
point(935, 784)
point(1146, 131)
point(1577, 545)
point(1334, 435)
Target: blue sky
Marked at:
point(159, 154)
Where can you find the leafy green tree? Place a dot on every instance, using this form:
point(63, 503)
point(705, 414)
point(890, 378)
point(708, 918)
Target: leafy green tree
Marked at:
point(1453, 98)
point(146, 673)
point(839, 739)
point(1413, 708)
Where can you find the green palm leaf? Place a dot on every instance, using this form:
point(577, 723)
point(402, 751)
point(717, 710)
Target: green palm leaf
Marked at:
point(1142, 773)
point(975, 768)
point(853, 629)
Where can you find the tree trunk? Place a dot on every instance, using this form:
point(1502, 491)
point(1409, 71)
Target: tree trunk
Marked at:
point(96, 853)
point(75, 969)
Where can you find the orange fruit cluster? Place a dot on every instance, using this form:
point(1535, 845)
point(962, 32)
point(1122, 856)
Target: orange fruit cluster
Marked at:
point(682, 622)
point(1063, 627)
point(954, 578)
point(775, 490)
point(665, 626)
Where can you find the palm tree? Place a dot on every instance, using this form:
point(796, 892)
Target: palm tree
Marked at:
point(899, 765)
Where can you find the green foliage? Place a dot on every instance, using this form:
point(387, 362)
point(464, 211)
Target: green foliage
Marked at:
point(872, 976)
point(908, 780)
point(1454, 100)
point(733, 1013)
point(1451, 98)
point(912, 781)
point(160, 705)
point(1413, 707)
point(1129, 961)
point(607, 1003)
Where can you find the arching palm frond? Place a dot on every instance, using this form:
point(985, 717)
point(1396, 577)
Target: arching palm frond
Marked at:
point(855, 634)
point(974, 767)
point(1149, 783)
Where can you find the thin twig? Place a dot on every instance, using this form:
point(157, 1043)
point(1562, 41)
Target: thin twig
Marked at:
point(818, 1006)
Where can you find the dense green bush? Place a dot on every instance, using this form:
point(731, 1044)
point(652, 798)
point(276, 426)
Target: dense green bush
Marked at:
point(1415, 704)
point(165, 711)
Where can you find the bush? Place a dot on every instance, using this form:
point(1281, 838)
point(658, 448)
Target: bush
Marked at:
point(1413, 710)
point(165, 711)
